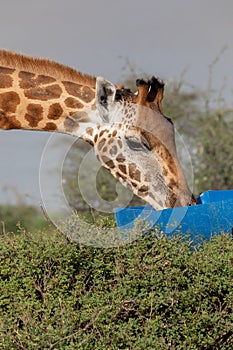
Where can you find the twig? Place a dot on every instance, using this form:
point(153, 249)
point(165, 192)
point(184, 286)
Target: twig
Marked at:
point(80, 330)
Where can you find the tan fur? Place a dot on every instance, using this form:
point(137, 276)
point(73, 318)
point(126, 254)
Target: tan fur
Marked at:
point(44, 66)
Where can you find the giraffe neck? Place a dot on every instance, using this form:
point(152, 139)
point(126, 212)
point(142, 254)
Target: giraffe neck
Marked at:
point(37, 94)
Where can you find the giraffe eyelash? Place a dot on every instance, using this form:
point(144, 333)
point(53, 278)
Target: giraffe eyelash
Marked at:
point(138, 144)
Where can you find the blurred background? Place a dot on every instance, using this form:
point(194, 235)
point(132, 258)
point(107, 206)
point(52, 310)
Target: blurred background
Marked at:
point(188, 44)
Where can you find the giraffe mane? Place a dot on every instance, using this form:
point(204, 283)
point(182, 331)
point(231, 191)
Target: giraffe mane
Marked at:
point(44, 66)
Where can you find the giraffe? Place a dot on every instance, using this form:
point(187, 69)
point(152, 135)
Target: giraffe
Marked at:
point(130, 135)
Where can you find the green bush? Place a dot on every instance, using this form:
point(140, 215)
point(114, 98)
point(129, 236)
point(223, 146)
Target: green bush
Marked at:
point(152, 294)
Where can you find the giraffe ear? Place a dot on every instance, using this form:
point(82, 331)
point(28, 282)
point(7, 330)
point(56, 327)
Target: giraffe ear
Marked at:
point(105, 97)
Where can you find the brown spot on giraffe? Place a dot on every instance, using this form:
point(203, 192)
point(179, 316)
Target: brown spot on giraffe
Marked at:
point(143, 190)
point(122, 168)
point(73, 103)
point(44, 93)
point(137, 175)
point(122, 176)
point(113, 150)
point(108, 161)
point(34, 114)
point(5, 70)
point(134, 173)
point(6, 81)
point(101, 133)
point(132, 168)
point(134, 184)
point(85, 93)
point(120, 158)
point(50, 127)
point(7, 123)
point(55, 111)
point(26, 80)
point(9, 102)
point(29, 80)
point(119, 142)
point(92, 144)
point(101, 143)
point(111, 140)
point(44, 79)
point(96, 138)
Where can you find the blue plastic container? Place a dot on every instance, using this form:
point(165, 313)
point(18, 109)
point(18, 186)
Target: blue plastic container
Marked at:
point(213, 216)
point(215, 196)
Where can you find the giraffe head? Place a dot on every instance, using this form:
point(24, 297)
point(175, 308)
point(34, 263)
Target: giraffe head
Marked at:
point(136, 143)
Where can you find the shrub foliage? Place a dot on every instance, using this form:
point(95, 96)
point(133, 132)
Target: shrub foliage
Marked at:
point(152, 294)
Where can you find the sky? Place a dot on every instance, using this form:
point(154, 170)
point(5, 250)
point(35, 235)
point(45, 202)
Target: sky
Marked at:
point(161, 38)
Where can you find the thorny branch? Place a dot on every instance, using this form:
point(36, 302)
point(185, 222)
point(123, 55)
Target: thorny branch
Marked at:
point(80, 330)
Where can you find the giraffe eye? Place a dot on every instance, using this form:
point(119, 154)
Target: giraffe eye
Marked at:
point(146, 144)
point(134, 145)
point(138, 144)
